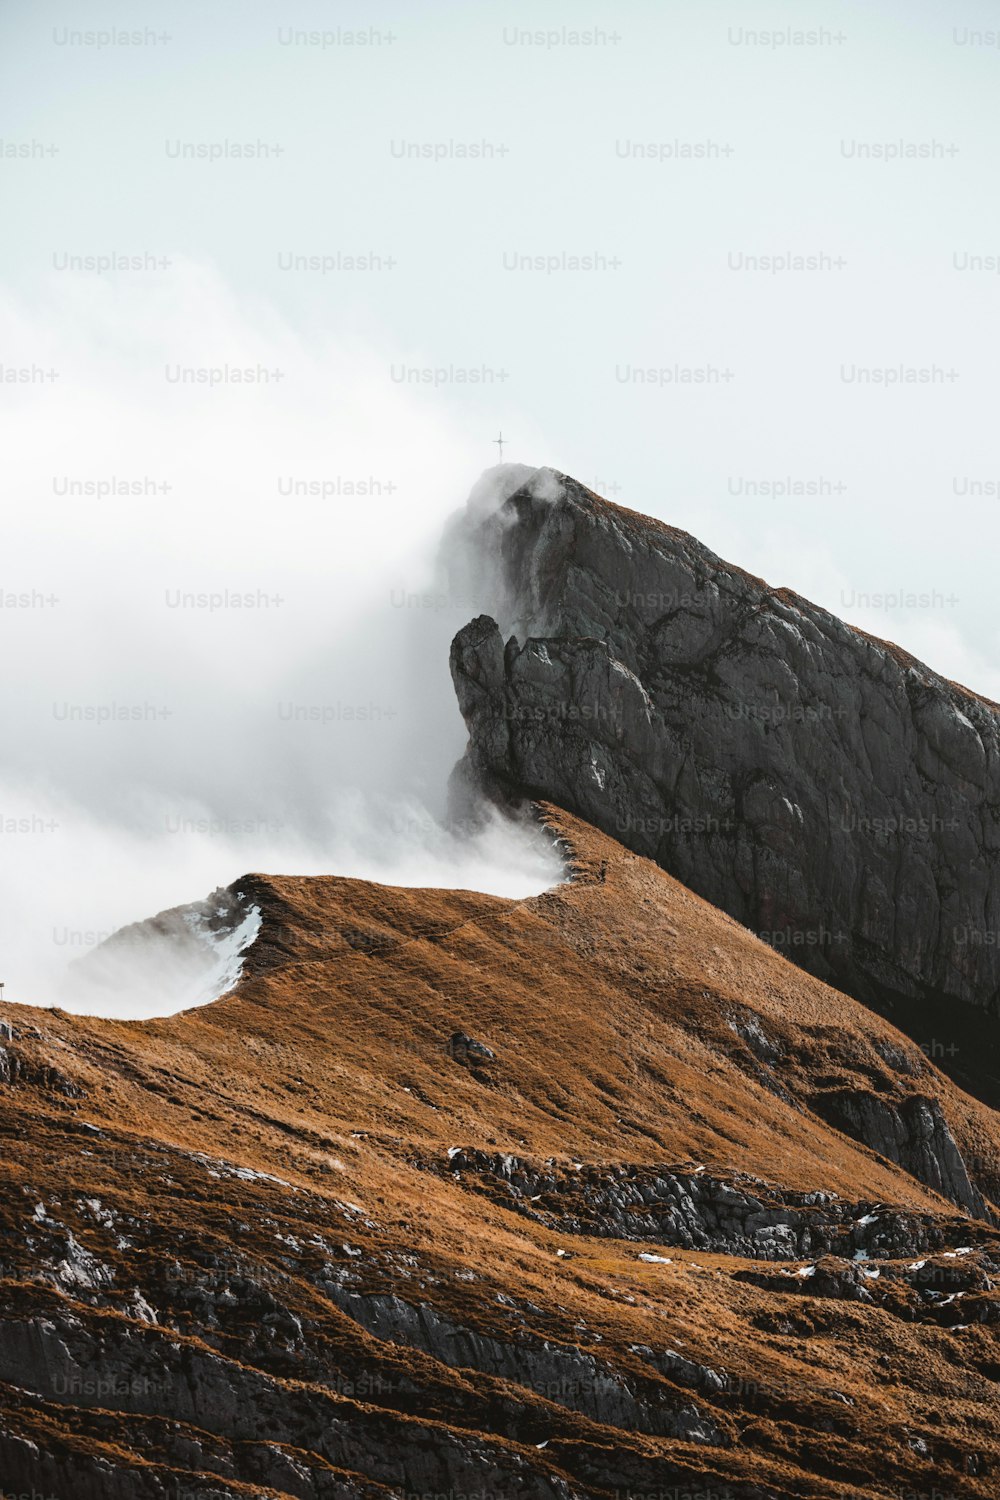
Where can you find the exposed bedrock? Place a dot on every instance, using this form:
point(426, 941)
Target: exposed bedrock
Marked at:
point(688, 1209)
point(830, 792)
point(914, 1134)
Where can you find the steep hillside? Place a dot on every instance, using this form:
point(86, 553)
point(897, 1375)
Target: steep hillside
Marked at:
point(571, 1196)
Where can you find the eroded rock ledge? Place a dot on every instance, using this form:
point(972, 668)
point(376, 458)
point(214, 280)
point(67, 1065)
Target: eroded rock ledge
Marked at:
point(695, 1210)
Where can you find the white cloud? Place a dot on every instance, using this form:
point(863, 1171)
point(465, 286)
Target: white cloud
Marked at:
point(161, 741)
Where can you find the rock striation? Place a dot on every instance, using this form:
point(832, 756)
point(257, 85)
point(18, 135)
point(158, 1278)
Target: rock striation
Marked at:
point(830, 792)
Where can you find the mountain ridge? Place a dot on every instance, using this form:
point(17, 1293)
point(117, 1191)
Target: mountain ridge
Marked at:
point(299, 1243)
point(626, 517)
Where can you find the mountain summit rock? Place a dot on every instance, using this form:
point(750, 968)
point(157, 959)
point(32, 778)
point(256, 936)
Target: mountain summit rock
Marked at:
point(833, 794)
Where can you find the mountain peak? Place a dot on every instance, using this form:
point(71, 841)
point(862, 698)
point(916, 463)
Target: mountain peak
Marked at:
point(819, 785)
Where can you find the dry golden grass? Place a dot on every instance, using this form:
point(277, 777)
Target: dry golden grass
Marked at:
point(608, 1003)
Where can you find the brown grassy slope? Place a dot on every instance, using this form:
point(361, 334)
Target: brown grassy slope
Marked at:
point(607, 1002)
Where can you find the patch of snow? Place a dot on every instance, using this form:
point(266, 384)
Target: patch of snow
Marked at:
point(228, 949)
point(868, 1219)
point(918, 1265)
point(247, 1174)
point(661, 1260)
point(215, 1167)
point(180, 959)
point(805, 1271)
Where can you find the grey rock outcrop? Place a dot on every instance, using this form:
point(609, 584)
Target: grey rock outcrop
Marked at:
point(568, 1376)
point(229, 1408)
point(827, 790)
point(913, 1133)
point(692, 1209)
point(469, 1053)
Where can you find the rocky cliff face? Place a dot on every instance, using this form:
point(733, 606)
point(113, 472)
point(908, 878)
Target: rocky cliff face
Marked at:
point(830, 792)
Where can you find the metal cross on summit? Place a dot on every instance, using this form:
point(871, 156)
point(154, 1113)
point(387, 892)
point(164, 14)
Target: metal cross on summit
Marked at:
point(500, 442)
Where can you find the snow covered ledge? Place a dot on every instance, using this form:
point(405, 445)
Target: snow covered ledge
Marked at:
point(182, 958)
